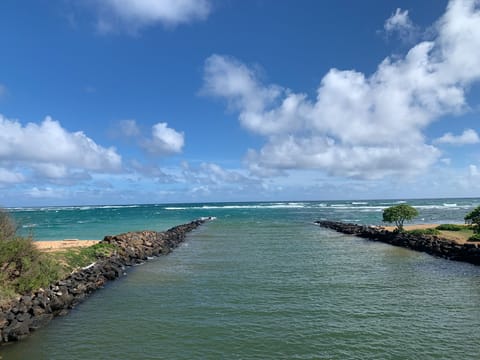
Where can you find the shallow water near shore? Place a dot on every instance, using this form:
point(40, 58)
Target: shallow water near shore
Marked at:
point(262, 282)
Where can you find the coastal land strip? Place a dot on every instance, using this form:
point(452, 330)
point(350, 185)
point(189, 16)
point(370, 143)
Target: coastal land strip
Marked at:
point(33, 310)
point(436, 245)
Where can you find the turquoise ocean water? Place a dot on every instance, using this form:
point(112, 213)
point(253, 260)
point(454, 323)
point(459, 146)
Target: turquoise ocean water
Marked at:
point(262, 282)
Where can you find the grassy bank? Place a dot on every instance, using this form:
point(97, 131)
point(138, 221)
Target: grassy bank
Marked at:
point(24, 268)
point(75, 258)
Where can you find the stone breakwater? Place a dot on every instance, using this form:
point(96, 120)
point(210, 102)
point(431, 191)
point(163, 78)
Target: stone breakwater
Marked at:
point(431, 244)
point(35, 310)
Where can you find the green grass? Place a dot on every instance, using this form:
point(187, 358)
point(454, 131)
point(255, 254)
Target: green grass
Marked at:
point(75, 258)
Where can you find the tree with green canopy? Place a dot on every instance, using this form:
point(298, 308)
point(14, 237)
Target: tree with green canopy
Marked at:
point(398, 214)
point(473, 217)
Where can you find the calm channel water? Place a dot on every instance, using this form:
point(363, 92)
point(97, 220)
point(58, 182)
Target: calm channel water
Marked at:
point(262, 282)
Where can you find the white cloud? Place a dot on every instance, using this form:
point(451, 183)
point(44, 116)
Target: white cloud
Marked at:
point(399, 23)
point(152, 171)
point(473, 171)
point(359, 126)
point(129, 128)
point(398, 20)
point(10, 177)
point(51, 151)
point(135, 14)
point(164, 140)
point(47, 192)
point(211, 173)
point(469, 136)
point(210, 179)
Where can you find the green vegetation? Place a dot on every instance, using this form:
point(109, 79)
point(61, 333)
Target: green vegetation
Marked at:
point(452, 227)
point(424, 232)
point(8, 228)
point(24, 268)
point(473, 217)
point(398, 214)
point(76, 258)
point(474, 237)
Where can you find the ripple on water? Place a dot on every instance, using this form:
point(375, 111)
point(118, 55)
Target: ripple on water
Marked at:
point(275, 291)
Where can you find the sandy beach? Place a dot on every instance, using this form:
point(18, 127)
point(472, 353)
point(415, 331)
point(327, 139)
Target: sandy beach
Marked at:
point(56, 245)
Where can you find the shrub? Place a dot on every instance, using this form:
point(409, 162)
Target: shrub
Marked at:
point(430, 231)
point(475, 237)
point(23, 267)
point(473, 217)
point(450, 227)
point(8, 228)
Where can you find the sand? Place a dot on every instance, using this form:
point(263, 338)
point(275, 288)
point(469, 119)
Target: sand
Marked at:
point(57, 245)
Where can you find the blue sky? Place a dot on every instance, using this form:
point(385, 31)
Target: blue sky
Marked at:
point(158, 101)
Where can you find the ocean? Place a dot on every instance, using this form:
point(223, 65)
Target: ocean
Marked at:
point(262, 282)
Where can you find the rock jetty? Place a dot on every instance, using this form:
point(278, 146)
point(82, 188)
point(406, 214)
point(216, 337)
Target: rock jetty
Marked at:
point(431, 244)
point(35, 310)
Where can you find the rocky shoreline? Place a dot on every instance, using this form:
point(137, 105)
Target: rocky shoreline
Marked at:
point(35, 310)
point(431, 244)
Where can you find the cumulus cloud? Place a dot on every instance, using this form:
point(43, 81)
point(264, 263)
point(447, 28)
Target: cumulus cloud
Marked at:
point(164, 140)
point(359, 126)
point(469, 136)
point(129, 128)
point(398, 20)
point(400, 24)
point(136, 14)
point(50, 151)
